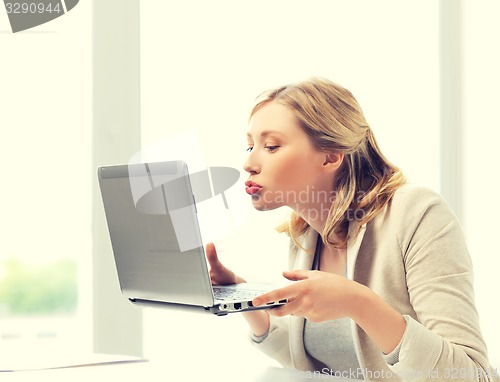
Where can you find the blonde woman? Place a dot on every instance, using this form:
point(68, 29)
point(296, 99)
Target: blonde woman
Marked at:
point(384, 283)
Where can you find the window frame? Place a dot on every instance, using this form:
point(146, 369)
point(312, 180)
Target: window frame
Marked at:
point(117, 324)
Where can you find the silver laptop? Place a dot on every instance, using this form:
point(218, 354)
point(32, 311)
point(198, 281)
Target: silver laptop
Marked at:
point(159, 255)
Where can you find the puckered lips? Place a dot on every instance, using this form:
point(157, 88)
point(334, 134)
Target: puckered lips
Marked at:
point(252, 188)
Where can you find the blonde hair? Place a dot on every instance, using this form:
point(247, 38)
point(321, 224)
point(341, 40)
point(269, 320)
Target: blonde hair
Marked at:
point(334, 121)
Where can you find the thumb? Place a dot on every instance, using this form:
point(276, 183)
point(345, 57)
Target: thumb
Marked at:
point(212, 258)
point(296, 275)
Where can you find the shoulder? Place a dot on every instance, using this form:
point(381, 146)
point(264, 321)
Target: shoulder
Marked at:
point(414, 209)
point(413, 203)
point(412, 194)
point(418, 216)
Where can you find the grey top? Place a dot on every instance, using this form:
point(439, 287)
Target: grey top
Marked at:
point(331, 342)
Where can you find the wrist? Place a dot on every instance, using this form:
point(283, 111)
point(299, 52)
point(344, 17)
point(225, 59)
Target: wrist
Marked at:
point(259, 322)
point(379, 320)
point(359, 303)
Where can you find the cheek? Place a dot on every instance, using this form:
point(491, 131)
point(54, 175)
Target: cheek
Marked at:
point(296, 172)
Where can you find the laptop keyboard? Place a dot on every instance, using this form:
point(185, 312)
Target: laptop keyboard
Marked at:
point(226, 294)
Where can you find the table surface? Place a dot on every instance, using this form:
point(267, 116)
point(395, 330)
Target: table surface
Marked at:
point(125, 370)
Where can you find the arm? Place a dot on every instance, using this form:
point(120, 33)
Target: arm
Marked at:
point(258, 320)
point(440, 286)
point(383, 324)
point(321, 296)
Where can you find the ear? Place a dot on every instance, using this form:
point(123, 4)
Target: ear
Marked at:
point(333, 161)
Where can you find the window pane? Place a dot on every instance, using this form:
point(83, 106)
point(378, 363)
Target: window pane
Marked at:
point(45, 121)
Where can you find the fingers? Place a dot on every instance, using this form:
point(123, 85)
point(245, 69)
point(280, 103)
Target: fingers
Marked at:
point(290, 292)
point(297, 275)
point(212, 258)
point(287, 292)
point(274, 295)
point(216, 267)
point(291, 307)
point(219, 274)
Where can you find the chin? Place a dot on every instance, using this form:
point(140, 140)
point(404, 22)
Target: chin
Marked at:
point(262, 208)
point(259, 205)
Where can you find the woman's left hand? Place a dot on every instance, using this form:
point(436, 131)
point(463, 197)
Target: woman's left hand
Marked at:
point(317, 296)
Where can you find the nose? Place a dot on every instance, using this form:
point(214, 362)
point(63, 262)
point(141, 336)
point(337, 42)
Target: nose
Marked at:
point(251, 165)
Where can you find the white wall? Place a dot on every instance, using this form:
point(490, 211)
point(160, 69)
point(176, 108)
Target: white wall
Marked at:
point(481, 100)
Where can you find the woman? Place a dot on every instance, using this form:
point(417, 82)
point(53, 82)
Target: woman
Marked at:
point(384, 281)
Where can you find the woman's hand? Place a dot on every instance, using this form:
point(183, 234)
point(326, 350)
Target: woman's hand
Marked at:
point(219, 274)
point(321, 296)
point(317, 296)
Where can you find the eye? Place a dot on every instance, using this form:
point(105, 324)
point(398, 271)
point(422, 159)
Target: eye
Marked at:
point(249, 148)
point(272, 148)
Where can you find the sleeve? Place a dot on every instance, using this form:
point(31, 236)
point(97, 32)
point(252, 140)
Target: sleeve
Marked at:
point(275, 343)
point(393, 357)
point(444, 342)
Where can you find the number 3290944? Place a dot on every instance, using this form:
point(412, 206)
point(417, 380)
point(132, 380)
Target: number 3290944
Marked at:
point(23, 8)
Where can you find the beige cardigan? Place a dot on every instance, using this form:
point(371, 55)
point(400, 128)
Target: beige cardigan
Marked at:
point(414, 256)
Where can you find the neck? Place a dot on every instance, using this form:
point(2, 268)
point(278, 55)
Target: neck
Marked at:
point(316, 217)
point(314, 207)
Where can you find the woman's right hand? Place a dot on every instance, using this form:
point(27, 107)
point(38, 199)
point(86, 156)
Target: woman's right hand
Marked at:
point(219, 274)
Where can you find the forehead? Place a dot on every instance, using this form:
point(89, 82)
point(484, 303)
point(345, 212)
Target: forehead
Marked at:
point(273, 117)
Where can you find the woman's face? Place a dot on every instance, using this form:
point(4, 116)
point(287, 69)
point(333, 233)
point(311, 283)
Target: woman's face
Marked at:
point(285, 169)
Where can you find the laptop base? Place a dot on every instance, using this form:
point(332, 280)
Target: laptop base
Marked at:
point(217, 310)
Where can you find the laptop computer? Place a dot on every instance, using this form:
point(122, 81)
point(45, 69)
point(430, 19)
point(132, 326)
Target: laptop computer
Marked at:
point(160, 259)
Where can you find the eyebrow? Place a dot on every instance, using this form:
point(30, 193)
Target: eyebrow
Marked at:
point(265, 133)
